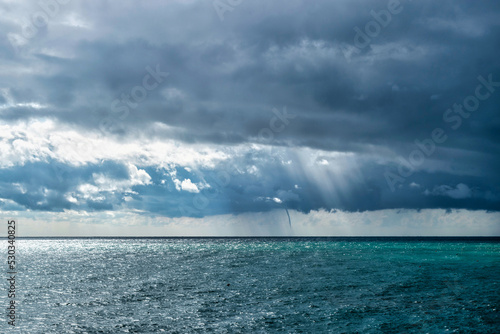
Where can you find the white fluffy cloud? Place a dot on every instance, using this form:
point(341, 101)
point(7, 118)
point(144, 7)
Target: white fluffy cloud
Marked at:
point(41, 140)
point(459, 192)
point(186, 185)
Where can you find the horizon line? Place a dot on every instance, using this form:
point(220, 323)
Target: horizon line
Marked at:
point(255, 236)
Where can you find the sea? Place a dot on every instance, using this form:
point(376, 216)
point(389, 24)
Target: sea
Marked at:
point(256, 285)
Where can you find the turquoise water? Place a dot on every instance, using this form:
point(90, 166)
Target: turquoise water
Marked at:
point(251, 285)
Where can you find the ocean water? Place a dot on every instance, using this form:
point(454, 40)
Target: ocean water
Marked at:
point(258, 285)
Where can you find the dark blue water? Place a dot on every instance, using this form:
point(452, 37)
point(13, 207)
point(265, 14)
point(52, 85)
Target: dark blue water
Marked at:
point(251, 285)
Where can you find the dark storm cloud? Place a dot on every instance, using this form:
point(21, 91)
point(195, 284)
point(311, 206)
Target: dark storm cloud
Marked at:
point(266, 55)
point(225, 77)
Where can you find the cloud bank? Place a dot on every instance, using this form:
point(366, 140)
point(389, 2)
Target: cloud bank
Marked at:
point(200, 108)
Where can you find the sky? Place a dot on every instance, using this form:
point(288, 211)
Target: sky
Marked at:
point(216, 117)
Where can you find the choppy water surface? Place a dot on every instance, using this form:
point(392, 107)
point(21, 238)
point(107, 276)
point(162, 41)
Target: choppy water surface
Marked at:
point(301, 285)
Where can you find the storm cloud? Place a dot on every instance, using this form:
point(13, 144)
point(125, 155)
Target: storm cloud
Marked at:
point(200, 108)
